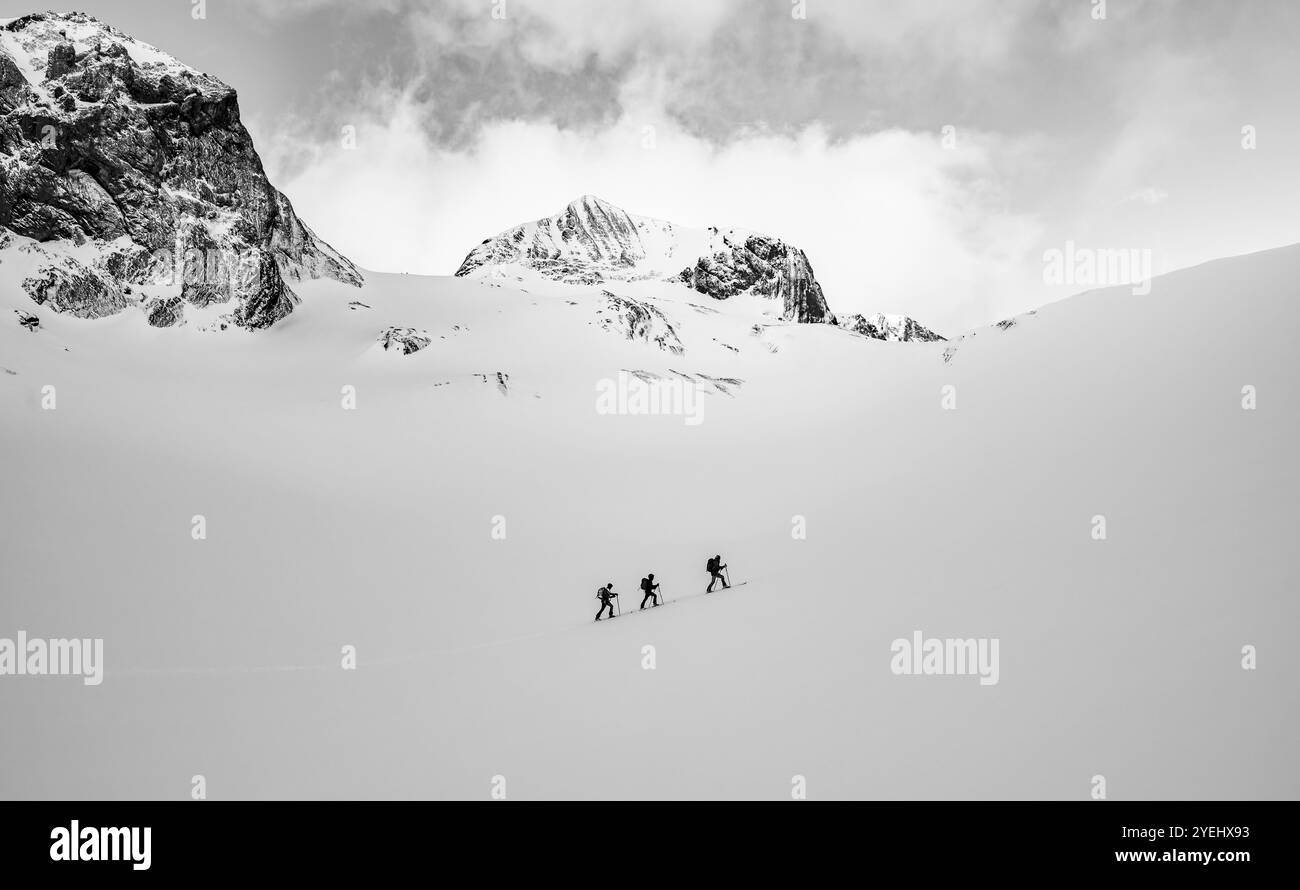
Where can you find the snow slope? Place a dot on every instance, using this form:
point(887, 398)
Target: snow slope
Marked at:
point(374, 527)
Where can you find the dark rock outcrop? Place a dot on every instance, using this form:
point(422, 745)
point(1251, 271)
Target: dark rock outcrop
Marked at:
point(165, 312)
point(76, 290)
point(108, 140)
point(894, 328)
point(404, 340)
point(638, 320)
point(765, 267)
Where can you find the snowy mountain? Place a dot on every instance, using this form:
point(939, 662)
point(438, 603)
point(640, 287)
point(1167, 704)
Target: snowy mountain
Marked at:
point(894, 328)
point(436, 473)
point(593, 242)
point(142, 164)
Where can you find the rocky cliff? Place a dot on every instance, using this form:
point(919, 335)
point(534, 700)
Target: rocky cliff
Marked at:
point(111, 144)
point(894, 328)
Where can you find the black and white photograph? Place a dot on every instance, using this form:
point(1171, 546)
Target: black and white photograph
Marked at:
point(414, 401)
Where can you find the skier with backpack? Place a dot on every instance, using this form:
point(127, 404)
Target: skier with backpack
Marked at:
point(649, 586)
point(715, 567)
point(605, 594)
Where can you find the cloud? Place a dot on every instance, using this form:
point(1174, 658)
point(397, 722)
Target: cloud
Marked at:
point(891, 221)
point(565, 34)
point(823, 131)
point(727, 66)
point(280, 10)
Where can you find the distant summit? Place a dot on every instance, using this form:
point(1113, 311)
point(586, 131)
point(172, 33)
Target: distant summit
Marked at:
point(894, 328)
point(592, 242)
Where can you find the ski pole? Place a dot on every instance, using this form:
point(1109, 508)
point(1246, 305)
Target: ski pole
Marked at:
point(727, 569)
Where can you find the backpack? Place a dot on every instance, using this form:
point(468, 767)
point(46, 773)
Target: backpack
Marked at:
point(645, 584)
point(712, 565)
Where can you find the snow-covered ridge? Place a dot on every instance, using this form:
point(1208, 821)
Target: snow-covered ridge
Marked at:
point(892, 328)
point(591, 242)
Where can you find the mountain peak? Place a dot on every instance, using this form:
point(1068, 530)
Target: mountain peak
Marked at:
point(589, 202)
point(111, 142)
point(592, 242)
point(44, 44)
point(894, 328)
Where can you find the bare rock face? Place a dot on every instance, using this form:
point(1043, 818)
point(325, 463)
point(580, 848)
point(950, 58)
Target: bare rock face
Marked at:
point(74, 289)
point(765, 267)
point(12, 83)
point(107, 140)
point(638, 320)
point(593, 242)
point(500, 378)
point(893, 328)
point(404, 340)
point(165, 312)
point(588, 242)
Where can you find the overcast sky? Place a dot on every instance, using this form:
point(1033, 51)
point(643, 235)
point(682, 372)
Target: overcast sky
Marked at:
point(827, 130)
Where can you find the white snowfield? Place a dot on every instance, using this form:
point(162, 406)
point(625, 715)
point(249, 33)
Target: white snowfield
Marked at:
point(380, 527)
